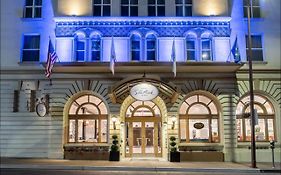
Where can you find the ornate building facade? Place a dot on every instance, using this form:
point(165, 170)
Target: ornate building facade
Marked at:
point(203, 103)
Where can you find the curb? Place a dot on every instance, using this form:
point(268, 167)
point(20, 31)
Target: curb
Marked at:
point(124, 168)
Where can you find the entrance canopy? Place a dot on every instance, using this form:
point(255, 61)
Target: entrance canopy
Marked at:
point(120, 91)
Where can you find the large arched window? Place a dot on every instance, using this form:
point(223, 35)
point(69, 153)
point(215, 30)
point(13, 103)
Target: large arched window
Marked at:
point(265, 128)
point(87, 120)
point(199, 120)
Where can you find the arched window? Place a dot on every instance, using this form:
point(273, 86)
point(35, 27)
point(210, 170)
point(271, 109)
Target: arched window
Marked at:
point(135, 47)
point(266, 119)
point(191, 47)
point(206, 47)
point(95, 48)
point(80, 47)
point(143, 109)
point(151, 47)
point(87, 120)
point(199, 120)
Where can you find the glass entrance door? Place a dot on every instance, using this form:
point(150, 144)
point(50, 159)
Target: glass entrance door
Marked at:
point(142, 139)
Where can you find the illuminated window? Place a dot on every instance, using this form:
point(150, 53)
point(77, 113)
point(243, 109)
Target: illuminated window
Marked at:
point(143, 109)
point(95, 48)
point(31, 48)
point(199, 120)
point(129, 7)
point(190, 47)
point(33, 9)
point(266, 118)
point(101, 7)
point(151, 48)
point(257, 51)
point(183, 7)
point(255, 11)
point(206, 49)
point(87, 120)
point(135, 47)
point(156, 7)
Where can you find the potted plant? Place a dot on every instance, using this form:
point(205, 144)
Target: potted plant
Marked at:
point(174, 153)
point(114, 154)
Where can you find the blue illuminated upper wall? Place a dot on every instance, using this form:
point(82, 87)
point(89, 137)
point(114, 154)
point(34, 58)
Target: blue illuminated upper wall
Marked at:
point(212, 17)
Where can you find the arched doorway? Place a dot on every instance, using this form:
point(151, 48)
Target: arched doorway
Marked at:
point(143, 130)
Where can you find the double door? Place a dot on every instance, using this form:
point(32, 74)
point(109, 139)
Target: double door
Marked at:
point(143, 137)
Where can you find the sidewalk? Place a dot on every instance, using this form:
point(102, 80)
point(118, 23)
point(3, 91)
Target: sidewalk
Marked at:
point(135, 165)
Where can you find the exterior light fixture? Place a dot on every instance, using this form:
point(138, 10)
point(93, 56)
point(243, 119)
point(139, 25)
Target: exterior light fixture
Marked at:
point(174, 118)
point(114, 119)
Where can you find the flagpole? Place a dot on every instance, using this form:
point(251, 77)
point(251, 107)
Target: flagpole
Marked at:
point(253, 141)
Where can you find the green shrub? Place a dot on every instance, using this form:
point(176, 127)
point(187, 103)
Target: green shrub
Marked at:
point(114, 147)
point(173, 144)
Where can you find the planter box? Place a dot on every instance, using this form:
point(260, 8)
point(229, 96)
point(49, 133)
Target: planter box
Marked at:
point(86, 153)
point(175, 157)
point(114, 156)
point(202, 156)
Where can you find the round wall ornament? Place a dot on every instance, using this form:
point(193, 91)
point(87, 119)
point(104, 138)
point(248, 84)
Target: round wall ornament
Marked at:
point(41, 109)
point(144, 91)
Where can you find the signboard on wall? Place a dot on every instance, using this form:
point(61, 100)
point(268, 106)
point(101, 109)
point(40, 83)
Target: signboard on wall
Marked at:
point(144, 91)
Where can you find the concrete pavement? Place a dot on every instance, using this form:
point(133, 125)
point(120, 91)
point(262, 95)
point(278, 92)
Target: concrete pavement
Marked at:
point(135, 165)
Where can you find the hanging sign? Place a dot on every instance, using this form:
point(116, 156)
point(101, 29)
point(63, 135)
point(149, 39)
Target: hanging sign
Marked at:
point(144, 91)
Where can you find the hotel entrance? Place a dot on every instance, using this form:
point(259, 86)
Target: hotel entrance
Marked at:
point(143, 130)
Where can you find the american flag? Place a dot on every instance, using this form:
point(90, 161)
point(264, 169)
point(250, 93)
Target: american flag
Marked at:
point(112, 56)
point(52, 58)
point(173, 58)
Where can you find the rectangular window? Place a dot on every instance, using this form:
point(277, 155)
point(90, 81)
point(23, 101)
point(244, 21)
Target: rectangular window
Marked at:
point(129, 8)
point(206, 49)
point(257, 50)
point(31, 48)
point(95, 49)
point(101, 7)
point(80, 50)
point(183, 7)
point(33, 9)
point(255, 11)
point(190, 50)
point(199, 135)
point(156, 7)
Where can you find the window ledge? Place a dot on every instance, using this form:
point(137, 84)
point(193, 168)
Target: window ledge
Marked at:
point(257, 62)
point(29, 63)
point(31, 19)
point(255, 19)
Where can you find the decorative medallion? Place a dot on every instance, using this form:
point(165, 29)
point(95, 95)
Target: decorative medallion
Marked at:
point(198, 125)
point(144, 91)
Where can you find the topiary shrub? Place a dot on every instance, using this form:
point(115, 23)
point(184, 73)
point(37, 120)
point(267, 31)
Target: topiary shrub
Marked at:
point(173, 144)
point(114, 147)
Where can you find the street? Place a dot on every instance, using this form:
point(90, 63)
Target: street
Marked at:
point(86, 172)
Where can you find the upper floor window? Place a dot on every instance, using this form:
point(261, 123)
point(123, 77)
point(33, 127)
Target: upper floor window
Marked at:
point(33, 9)
point(151, 47)
point(101, 7)
point(206, 49)
point(31, 48)
point(135, 47)
point(266, 119)
point(81, 45)
point(129, 8)
point(87, 120)
point(199, 120)
point(254, 8)
point(190, 48)
point(156, 7)
point(257, 50)
point(183, 7)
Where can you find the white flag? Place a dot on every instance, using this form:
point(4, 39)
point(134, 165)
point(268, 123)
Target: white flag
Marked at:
point(112, 56)
point(173, 58)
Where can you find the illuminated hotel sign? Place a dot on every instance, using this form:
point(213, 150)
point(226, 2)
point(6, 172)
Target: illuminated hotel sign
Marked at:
point(144, 91)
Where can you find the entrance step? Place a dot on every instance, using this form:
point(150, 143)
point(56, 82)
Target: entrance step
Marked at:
point(153, 159)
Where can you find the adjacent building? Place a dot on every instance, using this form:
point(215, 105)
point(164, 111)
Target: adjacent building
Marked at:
point(144, 70)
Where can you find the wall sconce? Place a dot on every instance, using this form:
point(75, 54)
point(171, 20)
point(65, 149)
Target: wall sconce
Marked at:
point(174, 119)
point(114, 119)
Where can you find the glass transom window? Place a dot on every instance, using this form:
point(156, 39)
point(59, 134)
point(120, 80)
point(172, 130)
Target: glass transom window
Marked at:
point(143, 109)
point(266, 119)
point(87, 120)
point(199, 120)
